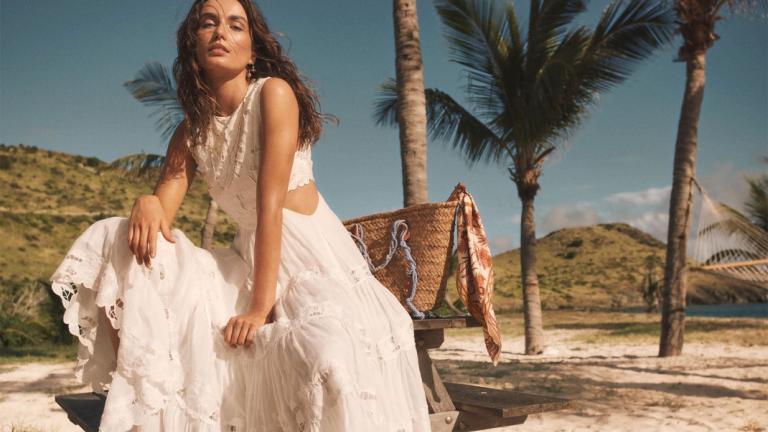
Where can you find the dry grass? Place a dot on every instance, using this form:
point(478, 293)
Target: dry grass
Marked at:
point(612, 327)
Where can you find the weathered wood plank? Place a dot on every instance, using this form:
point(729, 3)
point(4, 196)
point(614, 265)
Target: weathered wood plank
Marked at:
point(429, 338)
point(469, 421)
point(83, 409)
point(501, 403)
point(443, 421)
point(438, 399)
point(446, 322)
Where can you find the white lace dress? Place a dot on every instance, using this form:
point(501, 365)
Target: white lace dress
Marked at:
point(339, 356)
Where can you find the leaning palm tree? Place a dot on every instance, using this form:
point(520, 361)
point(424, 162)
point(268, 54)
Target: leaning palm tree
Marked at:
point(153, 87)
point(696, 20)
point(410, 90)
point(528, 94)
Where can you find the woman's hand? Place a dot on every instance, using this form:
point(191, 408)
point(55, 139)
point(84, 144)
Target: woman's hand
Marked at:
point(241, 329)
point(147, 218)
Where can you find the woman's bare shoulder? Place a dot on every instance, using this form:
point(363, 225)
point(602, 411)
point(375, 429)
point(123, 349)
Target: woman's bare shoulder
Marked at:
point(277, 94)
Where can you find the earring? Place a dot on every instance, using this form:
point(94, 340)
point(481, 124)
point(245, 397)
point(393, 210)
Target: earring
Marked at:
point(251, 71)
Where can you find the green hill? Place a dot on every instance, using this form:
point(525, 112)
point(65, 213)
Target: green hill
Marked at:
point(603, 266)
point(47, 198)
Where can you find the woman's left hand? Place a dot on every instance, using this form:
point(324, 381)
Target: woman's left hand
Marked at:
point(241, 329)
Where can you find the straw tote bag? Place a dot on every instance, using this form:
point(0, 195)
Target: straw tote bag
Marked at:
point(409, 251)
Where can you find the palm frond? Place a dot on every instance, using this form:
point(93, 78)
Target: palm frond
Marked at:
point(478, 38)
point(152, 87)
point(585, 64)
point(546, 25)
point(622, 39)
point(448, 121)
point(385, 103)
point(757, 202)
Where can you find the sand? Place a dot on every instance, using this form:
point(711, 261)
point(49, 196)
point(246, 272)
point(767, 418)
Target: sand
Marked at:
point(615, 387)
point(624, 386)
point(26, 396)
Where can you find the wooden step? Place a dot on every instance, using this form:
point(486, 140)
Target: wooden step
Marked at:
point(484, 407)
point(83, 409)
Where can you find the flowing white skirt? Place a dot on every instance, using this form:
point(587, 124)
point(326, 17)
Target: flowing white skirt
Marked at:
point(339, 355)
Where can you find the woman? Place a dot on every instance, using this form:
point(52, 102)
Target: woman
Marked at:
point(286, 330)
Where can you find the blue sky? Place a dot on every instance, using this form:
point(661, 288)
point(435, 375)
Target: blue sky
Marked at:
point(62, 65)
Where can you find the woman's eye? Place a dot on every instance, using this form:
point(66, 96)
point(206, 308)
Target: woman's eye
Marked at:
point(237, 27)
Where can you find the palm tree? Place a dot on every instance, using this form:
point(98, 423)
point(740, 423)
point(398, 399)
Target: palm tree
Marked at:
point(410, 90)
point(153, 87)
point(696, 24)
point(757, 202)
point(527, 95)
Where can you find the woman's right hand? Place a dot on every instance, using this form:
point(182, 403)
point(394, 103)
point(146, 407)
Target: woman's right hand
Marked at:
point(147, 218)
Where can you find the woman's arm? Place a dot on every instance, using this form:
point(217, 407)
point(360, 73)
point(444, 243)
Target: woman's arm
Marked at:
point(177, 174)
point(280, 128)
point(153, 213)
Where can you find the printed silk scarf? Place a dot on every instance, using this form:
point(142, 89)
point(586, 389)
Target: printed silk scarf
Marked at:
point(474, 278)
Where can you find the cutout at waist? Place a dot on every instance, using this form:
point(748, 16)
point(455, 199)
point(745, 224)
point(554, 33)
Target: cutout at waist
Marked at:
point(303, 200)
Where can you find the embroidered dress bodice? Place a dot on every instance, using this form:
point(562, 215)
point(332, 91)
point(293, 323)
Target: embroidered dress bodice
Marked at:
point(229, 159)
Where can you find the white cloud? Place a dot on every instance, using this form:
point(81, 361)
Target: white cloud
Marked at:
point(650, 196)
point(646, 209)
point(569, 215)
point(652, 222)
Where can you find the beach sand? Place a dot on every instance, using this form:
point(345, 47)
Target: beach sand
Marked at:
point(26, 396)
point(617, 386)
point(623, 386)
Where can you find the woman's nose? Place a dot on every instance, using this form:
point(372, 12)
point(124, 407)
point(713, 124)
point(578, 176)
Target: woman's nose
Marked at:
point(218, 31)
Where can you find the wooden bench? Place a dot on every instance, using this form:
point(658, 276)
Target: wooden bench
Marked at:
point(452, 406)
point(83, 409)
point(464, 407)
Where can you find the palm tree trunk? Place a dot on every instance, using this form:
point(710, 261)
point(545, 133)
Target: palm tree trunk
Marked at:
point(673, 304)
point(412, 114)
point(210, 224)
point(534, 332)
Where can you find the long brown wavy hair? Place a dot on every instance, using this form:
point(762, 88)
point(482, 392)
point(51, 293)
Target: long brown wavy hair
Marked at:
point(197, 99)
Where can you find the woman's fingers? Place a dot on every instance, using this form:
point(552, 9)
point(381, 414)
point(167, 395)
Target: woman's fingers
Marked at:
point(152, 243)
point(233, 330)
point(144, 233)
point(152, 250)
point(228, 331)
point(237, 327)
point(135, 243)
point(249, 337)
point(239, 332)
point(244, 333)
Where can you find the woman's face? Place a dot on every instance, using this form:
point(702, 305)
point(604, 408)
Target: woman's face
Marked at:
point(223, 38)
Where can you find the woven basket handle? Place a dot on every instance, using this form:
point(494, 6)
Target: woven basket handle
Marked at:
point(398, 238)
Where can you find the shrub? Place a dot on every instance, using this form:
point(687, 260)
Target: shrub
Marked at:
point(30, 314)
point(575, 242)
point(5, 162)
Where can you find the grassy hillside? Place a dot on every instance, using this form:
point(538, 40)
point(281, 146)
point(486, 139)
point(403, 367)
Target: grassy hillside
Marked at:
point(48, 198)
point(603, 266)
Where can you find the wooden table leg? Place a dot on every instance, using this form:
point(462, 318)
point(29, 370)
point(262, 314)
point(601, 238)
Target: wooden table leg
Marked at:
point(443, 413)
